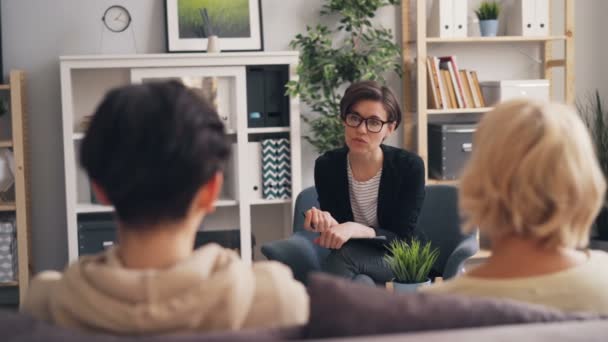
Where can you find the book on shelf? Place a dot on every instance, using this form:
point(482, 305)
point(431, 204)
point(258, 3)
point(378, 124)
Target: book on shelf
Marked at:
point(447, 64)
point(434, 93)
point(441, 100)
point(470, 85)
point(450, 87)
point(467, 89)
point(482, 102)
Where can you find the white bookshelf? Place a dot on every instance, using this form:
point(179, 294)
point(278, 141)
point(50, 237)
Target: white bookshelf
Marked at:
point(86, 79)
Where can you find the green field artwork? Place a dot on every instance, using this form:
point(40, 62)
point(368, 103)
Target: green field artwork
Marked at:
point(229, 18)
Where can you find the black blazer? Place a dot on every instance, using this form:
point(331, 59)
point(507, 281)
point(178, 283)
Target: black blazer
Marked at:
point(400, 196)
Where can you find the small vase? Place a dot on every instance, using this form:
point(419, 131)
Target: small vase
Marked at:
point(213, 44)
point(409, 287)
point(488, 28)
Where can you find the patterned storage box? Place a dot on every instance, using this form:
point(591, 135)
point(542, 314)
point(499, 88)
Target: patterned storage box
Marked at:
point(276, 169)
point(8, 251)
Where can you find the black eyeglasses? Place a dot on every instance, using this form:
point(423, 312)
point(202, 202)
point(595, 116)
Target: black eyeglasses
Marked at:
point(373, 125)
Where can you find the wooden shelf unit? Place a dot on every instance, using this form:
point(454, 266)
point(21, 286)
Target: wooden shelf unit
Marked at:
point(9, 284)
point(7, 207)
point(21, 206)
point(499, 39)
point(458, 111)
point(6, 143)
point(415, 52)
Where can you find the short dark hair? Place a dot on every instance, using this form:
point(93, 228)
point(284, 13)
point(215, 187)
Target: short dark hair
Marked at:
point(374, 91)
point(151, 147)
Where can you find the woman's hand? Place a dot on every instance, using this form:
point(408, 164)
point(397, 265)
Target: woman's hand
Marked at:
point(338, 235)
point(319, 221)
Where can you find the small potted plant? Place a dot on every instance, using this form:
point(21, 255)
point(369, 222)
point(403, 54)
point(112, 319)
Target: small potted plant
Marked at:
point(487, 13)
point(410, 263)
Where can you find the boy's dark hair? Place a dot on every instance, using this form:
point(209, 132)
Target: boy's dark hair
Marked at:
point(374, 91)
point(151, 147)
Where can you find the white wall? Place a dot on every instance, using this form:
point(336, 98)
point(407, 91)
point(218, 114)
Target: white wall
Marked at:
point(36, 32)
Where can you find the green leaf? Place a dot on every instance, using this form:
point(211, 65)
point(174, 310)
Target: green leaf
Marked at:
point(488, 10)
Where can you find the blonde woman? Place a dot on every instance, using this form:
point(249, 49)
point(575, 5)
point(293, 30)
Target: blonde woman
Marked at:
point(533, 186)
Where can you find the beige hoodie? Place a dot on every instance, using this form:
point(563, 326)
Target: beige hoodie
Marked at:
point(212, 290)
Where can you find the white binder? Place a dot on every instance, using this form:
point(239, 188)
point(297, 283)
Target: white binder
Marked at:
point(448, 19)
point(529, 18)
point(254, 166)
point(459, 11)
point(441, 21)
point(542, 17)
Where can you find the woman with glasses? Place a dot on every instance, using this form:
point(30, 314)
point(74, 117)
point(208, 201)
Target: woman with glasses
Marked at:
point(366, 189)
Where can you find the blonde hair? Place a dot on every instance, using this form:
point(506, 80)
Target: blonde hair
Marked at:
point(533, 173)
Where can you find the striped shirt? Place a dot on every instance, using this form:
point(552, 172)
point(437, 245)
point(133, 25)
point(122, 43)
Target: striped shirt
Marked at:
point(364, 198)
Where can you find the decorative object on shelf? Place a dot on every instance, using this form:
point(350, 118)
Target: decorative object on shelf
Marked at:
point(276, 168)
point(487, 13)
point(410, 263)
point(237, 23)
point(213, 41)
point(205, 87)
point(116, 18)
point(529, 18)
point(448, 19)
point(327, 64)
point(595, 117)
point(8, 250)
point(499, 91)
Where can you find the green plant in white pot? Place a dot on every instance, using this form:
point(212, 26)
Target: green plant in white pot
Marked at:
point(487, 13)
point(410, 263)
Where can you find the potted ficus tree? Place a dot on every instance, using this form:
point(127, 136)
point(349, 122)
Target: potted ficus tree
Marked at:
point(410, 263)
point(487, 13)
point(351, 49)
point(596, 119)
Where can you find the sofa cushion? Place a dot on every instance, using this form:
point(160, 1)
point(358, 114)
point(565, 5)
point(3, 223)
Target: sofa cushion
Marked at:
point(21, 327)
point(343, 308)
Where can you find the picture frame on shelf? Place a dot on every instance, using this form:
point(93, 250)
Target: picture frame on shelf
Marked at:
point(237, 23)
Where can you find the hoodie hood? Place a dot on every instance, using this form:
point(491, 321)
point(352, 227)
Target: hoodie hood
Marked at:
point(211, 290)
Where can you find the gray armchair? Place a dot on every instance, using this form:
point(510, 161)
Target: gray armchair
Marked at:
point(439, 223)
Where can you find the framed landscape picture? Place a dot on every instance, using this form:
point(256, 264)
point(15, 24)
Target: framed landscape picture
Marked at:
point(237, 23)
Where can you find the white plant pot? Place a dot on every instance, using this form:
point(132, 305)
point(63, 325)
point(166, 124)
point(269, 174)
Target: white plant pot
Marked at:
point(213, 44)
point(412, 287)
